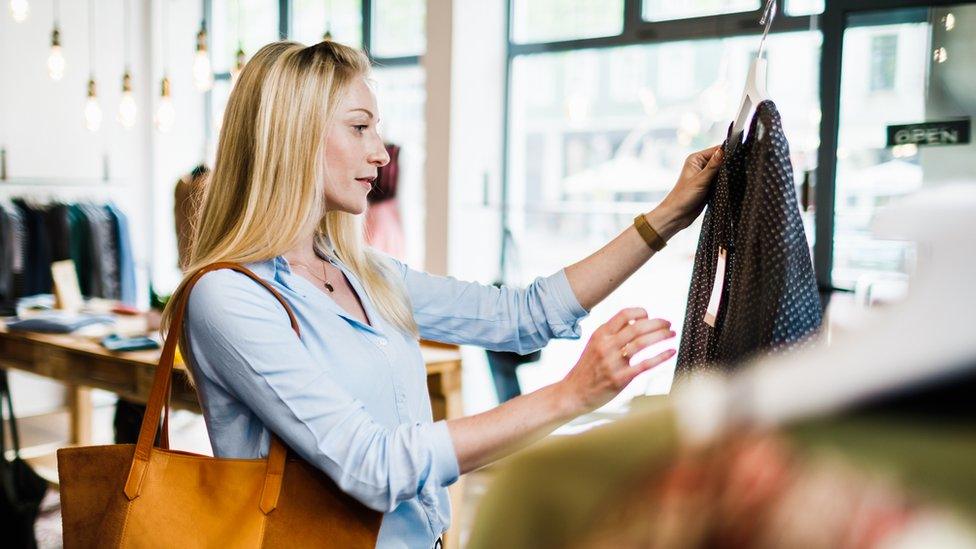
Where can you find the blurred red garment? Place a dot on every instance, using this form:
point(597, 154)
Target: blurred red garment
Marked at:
point(384, 230)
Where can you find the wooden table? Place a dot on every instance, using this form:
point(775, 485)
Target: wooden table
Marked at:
point(82, 364)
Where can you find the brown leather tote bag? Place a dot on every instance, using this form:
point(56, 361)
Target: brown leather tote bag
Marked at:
point(140, 495)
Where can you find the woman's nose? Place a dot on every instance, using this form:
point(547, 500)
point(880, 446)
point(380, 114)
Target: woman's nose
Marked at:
point(380, 157)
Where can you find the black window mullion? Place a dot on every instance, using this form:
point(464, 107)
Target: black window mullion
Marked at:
point(632, 18)
point(831, 55)
point(284, 19)
point(367, 7)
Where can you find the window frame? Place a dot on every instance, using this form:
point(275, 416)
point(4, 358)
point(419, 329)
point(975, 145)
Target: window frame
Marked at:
point(831, 23)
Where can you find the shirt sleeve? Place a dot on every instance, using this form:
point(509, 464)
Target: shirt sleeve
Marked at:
point(520, 320)
point(245, 343)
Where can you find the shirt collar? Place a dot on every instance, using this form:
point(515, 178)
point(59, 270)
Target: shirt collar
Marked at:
point(278, 270)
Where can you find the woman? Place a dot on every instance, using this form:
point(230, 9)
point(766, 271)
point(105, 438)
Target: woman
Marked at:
point(298, 151)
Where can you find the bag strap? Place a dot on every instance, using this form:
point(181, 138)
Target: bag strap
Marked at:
point(160, 392)
point(14, 437)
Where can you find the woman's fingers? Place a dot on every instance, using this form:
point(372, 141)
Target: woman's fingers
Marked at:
point(624, 318)
point(628, 374)
point(640, 343)
point(645, 326)
point(709, 153)
point(711, 163)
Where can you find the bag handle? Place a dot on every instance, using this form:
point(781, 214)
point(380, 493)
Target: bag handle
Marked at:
point(160, 392)
point(14, 438)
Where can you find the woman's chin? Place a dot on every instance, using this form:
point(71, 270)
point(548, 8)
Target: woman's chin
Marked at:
point(354, 207)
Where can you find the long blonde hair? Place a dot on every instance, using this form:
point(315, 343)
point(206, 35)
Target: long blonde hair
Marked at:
point(265, 195)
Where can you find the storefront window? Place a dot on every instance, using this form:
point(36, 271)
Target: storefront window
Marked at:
point(555, 20)
point(401, 94)
point(915, 69)
point(249, 24)
point(398, 28)
point(599, 135)
point(342, 18)
point(804, 7)
point(664, 10)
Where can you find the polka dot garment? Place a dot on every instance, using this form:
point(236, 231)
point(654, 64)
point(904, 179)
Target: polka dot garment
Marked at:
point(770, 301)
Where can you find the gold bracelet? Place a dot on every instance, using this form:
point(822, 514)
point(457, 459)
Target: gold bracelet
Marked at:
point(650, 236)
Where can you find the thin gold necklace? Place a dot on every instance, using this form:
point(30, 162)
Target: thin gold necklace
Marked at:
point(324, 281)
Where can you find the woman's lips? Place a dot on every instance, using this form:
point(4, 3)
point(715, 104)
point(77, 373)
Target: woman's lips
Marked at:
point(366, 181)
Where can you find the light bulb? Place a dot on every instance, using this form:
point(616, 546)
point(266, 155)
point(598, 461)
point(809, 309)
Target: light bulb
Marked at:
point(93, 113)
point(165, 113)
point(202, 73)
point(127, 107)
point(55, 61)
point(127, 110)
point(240, 58)
point(19, 9)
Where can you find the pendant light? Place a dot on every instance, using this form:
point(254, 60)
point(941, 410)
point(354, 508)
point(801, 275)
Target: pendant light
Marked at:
point(127, 106)
point(19, 10)
point(202, 73)
point(93, 112)
point(165, 113)
point(327, 35)
point(240, 58)
point(55, 61)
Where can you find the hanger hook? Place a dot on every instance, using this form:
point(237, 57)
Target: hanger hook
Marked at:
point(769, 13)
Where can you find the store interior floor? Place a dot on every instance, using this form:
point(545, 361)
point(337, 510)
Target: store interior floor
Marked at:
point(49, 431)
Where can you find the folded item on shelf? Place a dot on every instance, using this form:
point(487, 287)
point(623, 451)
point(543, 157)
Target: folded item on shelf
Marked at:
point(117, 343)
point(58, 322)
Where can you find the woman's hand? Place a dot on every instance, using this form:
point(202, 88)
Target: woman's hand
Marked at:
point(604, 368)
point(687, 199)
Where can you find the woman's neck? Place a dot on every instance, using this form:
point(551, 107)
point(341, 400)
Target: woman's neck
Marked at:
point(303, 252)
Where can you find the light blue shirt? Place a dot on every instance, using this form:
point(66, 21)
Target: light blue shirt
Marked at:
point(348, 397)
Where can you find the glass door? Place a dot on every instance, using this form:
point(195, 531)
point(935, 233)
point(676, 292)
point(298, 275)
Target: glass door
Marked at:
point(906, 102)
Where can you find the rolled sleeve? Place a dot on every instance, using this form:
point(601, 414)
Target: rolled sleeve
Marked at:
point(567, 307)
point(245, 344)
point(520, 320)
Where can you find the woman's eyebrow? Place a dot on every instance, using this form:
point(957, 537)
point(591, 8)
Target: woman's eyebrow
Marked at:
point(367, 111)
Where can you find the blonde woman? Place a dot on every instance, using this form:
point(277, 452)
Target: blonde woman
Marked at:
point(298, 151)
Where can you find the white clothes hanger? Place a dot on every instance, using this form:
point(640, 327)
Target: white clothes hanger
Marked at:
point(755, 89)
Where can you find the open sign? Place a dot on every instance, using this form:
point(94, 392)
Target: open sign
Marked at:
point(953, 132)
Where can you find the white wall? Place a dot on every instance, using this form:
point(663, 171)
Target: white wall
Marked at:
point(42, 124)
point(181, 149)
point(465, 85)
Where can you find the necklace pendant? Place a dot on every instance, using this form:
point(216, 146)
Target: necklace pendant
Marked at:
point(329, 287)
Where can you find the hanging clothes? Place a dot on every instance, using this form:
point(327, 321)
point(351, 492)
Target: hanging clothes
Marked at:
point(126, 263)
point(58, 230)
point(37, 248)
point(33, 235)
point(768, 295)
point(12, 242)
point(81, 247)
point(105, 258)
point(384, 229)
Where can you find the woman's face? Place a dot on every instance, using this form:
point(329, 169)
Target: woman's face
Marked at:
point(354, 150)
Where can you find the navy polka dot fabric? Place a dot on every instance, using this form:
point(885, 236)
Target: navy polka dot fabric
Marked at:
point(770, 301)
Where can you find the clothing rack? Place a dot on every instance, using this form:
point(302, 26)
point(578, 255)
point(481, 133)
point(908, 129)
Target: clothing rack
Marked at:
point(28, 183)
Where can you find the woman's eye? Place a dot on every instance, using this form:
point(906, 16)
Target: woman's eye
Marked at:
point(360, 128)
